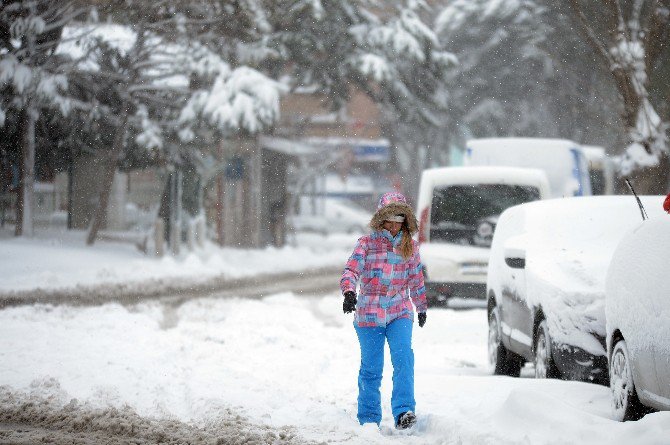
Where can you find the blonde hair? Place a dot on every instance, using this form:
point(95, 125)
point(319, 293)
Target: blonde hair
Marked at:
point(406, 248)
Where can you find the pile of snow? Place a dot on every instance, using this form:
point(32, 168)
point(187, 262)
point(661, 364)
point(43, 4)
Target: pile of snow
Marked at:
point(336, 216)
point(57, 260)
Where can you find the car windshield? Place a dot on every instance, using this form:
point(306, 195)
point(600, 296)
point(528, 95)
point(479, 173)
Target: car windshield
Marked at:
point(466, 214)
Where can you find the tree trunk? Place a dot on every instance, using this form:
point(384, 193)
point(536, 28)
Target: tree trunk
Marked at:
point(653, 180)
point(24, 222)
point(107, 180)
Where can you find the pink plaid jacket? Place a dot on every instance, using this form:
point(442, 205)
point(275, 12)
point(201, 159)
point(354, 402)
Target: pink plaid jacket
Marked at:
point(387, 282)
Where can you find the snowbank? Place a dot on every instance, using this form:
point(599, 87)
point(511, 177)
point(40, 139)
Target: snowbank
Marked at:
point(61, 262)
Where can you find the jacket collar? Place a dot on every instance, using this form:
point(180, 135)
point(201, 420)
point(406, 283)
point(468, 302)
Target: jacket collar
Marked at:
point(387, 235)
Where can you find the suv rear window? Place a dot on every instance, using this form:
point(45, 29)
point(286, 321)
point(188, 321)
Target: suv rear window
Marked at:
point(467, 214)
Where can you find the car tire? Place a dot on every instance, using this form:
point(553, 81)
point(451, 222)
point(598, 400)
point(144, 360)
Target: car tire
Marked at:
point(545, 367)
point(501, 360)
point(625, 402)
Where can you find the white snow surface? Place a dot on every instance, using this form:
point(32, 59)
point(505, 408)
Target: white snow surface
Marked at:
point(293, 361)
point(61, 260)
point(283, 360)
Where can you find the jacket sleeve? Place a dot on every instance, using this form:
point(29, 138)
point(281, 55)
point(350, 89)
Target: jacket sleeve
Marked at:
point(417, 287)
point(354, 267)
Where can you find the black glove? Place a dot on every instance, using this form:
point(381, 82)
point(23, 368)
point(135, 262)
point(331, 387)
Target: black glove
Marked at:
point(422, 319)
point(349, 301)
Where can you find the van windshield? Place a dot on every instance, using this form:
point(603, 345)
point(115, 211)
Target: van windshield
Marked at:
point(467, 214)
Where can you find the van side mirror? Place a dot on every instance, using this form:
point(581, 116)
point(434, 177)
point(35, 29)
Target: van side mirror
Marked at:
point(515, 258)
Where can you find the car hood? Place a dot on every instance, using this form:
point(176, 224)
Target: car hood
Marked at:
point(569, 284)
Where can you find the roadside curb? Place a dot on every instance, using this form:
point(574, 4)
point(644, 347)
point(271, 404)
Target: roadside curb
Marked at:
point(177, 290)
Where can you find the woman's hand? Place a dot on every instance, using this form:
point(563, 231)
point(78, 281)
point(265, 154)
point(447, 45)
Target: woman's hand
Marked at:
point(349, 304)
point(422, 319)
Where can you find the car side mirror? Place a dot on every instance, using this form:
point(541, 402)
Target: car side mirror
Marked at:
point(515, 263)
point(515, 258)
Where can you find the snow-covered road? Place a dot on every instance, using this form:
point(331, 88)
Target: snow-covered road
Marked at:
point(283, 361)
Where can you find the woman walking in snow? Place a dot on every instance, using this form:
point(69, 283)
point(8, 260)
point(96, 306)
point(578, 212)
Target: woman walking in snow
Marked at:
point(390, 272)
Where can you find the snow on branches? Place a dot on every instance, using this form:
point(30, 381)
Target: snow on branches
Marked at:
point(239, 99)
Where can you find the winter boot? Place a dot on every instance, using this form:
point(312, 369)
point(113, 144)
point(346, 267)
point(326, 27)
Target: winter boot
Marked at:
point(405, 420)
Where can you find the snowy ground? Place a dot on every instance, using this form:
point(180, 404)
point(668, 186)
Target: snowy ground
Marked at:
point(284, 362)
point(56, 260)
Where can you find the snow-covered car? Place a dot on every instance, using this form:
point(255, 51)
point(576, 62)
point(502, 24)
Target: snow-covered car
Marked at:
point(638, 320)
point(458, 211)
point(336, 216)
point(546, 284)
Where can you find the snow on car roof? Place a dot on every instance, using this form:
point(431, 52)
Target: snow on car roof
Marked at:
point(613, 209)
point(594, 152)
point(485, 175)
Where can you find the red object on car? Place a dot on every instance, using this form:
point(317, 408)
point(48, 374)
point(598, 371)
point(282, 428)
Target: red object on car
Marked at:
point(666, 203)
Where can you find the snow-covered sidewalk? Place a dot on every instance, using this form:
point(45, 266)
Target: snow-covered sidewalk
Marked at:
point(59, 263)
point(285, 362)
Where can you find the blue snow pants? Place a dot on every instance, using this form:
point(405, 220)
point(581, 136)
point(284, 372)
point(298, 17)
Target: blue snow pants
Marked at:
point(399, 336)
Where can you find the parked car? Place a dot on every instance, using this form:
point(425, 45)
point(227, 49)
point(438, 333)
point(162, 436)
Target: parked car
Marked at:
point(338, 216)
point(546, 284)
point(638, 320)
point(562, 160)
point(458, 211)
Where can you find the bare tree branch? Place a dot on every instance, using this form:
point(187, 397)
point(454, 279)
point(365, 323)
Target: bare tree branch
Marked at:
point(590, 34)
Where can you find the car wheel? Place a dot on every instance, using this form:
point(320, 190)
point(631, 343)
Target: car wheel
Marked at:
point(501, 361)
point(625, 403)
point(545, 368)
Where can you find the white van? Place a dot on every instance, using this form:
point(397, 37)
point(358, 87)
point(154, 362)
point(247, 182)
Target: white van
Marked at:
point(458, 209)
point(562, 160)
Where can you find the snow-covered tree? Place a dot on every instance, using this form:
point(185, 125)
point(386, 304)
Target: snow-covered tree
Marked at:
point(389, 52)
point(630, 38)
point(386, 50)
point(230, 100)
point(522, 72)
point(186, 73)
point(31, 78)
point(138, 67)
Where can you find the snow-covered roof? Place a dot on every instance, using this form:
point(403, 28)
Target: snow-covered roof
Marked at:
point(594, 152)
point(445, 176)
point(287, 146)
point(331, 141)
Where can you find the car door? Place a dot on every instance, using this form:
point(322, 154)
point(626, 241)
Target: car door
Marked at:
point(517, 315)
point(634, 277)
point(659, 288)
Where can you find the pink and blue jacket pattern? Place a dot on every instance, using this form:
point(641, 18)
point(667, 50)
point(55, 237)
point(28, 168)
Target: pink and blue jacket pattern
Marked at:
point(387, 282)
